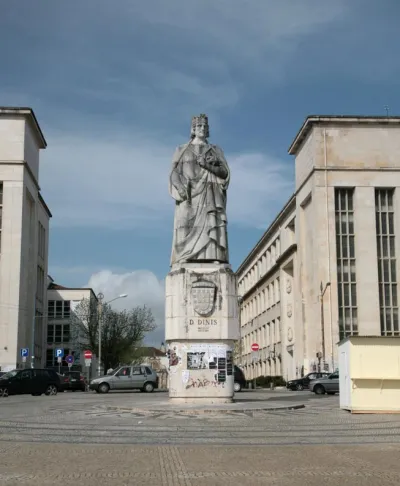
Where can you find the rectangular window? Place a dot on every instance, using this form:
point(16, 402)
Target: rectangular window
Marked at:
point(346, 263)
point(51, 309)
point(59, 309)
point(385, 240)
point(278, 290)
point(41, 241)
point(59, 333)
point(50, 334)
point(40, 284)
point(50, 358)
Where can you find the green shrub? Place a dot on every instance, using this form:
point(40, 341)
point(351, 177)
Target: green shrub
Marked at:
point(265, 381)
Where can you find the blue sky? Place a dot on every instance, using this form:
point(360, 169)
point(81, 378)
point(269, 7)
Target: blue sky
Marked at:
point(114, 86)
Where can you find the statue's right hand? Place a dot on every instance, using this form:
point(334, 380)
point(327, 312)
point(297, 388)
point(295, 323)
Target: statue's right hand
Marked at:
point(182, 194)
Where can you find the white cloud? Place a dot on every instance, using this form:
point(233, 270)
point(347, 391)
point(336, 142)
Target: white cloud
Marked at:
point(142, 287)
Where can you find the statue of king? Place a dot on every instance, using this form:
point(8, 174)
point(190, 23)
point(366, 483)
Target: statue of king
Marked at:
point(199, 181)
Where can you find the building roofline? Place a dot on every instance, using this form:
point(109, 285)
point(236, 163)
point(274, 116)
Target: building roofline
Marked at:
point(45, 207)
point(286, 209)
point(55, 286)
point(30, 115)
point(312, 120)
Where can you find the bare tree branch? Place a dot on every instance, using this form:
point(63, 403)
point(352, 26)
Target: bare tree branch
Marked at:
point(122, 331)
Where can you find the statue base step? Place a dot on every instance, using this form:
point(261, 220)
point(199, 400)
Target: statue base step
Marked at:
point(200, 401)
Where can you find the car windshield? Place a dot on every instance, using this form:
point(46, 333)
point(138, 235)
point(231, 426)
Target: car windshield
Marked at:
point(9, 374)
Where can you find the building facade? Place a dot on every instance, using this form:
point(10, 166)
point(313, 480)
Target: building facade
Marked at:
point(62, 302)
point(327, 266)
point(24, 232)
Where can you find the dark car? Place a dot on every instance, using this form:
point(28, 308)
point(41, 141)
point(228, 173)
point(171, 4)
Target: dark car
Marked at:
point(74, 380)
point(302, 383)
point(33, 381)
point(239, 379)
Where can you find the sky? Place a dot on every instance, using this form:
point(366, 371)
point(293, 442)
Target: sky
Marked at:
point(114, 86)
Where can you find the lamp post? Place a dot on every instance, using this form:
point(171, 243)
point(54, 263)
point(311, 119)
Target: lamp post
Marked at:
point(100, 298)
point(323, 290)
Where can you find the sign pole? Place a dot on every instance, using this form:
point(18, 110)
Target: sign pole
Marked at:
point(255, 347)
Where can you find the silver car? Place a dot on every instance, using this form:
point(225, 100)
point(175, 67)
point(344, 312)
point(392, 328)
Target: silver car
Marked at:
point(329, 385)
point(142, 378)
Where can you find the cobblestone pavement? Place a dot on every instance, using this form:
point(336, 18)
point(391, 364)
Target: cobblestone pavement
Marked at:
point(83, 437)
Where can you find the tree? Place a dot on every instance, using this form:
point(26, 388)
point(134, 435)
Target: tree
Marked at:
point(121, 331)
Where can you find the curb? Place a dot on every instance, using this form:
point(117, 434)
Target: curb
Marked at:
point(187, 411)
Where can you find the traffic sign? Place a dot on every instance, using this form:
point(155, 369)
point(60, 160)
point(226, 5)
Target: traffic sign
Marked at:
point(87, 354)
point(255, 347)
point(88, 362)
point(24, 352)
point(24, 359)
point(59, 359)
point(69, 359)
point(69, 365)
point(59, 353)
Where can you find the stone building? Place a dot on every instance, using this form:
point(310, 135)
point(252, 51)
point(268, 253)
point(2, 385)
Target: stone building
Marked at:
point(62, 301)
point(327, 265)
point(24, 233)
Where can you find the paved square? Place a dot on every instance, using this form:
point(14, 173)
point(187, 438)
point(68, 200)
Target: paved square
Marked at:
point(84, 438)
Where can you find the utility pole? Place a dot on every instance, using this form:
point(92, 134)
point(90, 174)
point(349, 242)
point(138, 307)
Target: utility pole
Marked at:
point(100, 298)
point(323, 290)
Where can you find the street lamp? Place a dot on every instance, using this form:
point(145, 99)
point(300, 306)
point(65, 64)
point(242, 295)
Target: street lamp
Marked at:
point(323, 290)
point(100, 298)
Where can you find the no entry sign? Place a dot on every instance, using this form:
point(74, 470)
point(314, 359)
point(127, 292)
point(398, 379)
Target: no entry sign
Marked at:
point(87, 354)
point(255, 347)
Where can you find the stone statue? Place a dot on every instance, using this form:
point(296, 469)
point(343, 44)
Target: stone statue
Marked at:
point(198, 182)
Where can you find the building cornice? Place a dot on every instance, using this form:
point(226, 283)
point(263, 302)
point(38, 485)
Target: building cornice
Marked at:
point(268, 274)
point(44, 205)
point(313, 120)
point(29, 115)
point(287, 209)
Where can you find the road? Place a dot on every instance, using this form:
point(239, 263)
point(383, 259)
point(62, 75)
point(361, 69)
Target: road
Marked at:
point(88, 437)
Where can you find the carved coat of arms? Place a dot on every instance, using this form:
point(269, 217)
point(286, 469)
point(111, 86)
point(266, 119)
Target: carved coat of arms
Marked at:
point(203, 297)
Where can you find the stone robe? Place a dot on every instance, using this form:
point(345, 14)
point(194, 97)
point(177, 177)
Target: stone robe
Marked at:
point(200, 224)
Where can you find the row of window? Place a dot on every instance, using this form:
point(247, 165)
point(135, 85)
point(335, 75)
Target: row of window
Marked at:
point(261, 267)
point(58, 333)
point(266, 335)
point(264, 300)
point(59, 309)
point(386, 260)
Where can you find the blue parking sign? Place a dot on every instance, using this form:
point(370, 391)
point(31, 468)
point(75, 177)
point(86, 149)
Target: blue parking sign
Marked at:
point(24, 352)
point(59, 353)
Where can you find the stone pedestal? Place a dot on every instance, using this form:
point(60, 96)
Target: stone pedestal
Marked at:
point(202, 325)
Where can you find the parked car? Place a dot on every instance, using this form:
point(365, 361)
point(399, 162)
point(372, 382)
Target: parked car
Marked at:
point(303, 382)
point(329, 385)
point(239, 379)
point(142, 378)
point(34, 381)
point(63, 382)
point(74, 380)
